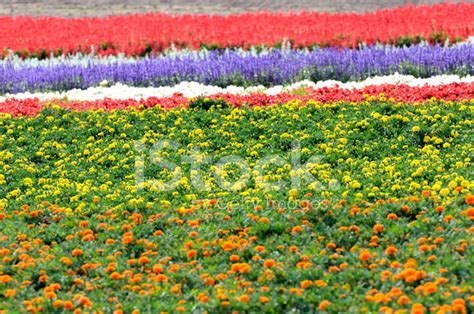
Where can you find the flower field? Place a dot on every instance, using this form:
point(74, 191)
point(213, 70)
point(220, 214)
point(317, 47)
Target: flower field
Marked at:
point(238, 180)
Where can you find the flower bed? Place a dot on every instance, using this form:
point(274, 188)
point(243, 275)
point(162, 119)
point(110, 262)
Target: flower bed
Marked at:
point(270, 68)
point(385, 225)
point(396, 92)
point(248, 179)
point(140, 34)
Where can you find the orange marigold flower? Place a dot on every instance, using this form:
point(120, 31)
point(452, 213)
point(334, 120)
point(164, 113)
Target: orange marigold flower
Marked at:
point(424, 248)
point(85, 302)
point(386, 274)
point(57, 304)
point(209, 281)
point(269, 263)
point(264, 299)
point(429, 288)
point(391, 250)
point(143, 260)
point(115, 275)
point(304, 265)
point(127, 239)
point(293, 248)
point(227, 246)
point(445, 308)
point(459, 305)
point(333, 269)
point(234, 258)
point(364, 256)
point(77, 252)
point(243, 298)
point(55, 286)
point(161, 278)
point(244, 268)
point(448, 218)
point(157, 269)
point(402, 300)
point(50, 295)
point(203, 298)
point(411, 279)
point(158, 233)
point(405, 208)
point(426, 193)
point(68, 305)
point(259, 248)
point(354, 228)
point(296, 229)
point(417, 308)
point(324, 304)
point(470, 212)
point(306, 283)
point(191, 253)
point(173, 268)
point(320, 283)
point(469, 199)
point(378, 228)
point(392, 216)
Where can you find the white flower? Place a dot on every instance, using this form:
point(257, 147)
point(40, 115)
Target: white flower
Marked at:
point(104, 83)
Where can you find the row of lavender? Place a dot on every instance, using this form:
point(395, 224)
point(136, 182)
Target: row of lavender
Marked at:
point(241, 68)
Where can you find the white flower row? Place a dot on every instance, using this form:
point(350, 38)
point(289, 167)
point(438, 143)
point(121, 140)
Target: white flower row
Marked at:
point(377, 80)
point(194, 89)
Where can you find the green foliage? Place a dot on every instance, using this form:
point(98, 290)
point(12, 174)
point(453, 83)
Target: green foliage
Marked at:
point(202, 103)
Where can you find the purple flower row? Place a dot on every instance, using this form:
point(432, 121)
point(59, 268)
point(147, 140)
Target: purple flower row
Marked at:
point(274, 67)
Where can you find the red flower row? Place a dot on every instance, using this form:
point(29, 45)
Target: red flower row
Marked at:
point(404, 93)
point(141, 33)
